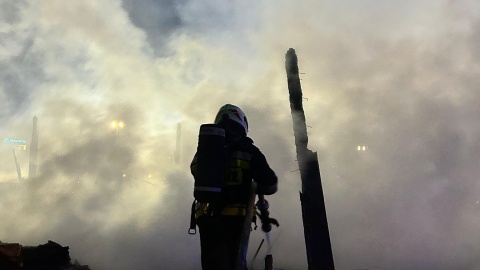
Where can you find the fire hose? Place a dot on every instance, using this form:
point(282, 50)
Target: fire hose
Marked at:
point(264, 214)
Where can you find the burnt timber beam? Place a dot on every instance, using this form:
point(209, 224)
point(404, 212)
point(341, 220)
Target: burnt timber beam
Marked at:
point(317, 237)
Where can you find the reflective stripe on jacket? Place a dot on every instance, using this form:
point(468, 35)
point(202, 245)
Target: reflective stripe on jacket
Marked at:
point(202, 209)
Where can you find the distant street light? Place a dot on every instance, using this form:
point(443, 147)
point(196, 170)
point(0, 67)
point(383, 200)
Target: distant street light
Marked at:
point(117, 125)
point(362, 148)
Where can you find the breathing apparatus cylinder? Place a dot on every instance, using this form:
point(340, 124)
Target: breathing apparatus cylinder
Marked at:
point(211, 164)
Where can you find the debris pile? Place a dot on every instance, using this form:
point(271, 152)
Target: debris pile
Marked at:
point(50, 256)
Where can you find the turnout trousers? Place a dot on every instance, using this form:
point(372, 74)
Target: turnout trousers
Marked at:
point(219, 241)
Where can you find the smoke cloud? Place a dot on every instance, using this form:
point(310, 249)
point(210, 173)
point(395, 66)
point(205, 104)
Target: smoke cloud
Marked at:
point(391, 102)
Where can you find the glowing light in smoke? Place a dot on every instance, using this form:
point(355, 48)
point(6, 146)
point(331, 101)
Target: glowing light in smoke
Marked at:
point(362, 148)
point(117, 125)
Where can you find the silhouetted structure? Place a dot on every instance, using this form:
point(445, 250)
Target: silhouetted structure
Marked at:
point(32, 168)
point(17, 165)
point(317, 238)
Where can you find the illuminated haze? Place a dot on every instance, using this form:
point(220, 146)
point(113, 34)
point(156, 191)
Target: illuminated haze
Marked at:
point(400, 78)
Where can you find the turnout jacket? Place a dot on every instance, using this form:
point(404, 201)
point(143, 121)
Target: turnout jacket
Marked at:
point(245, 163)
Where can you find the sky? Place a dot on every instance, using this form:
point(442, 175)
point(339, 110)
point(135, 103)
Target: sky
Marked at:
point(400, 78)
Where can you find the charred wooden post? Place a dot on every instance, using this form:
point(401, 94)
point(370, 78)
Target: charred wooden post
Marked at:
point(317, 237)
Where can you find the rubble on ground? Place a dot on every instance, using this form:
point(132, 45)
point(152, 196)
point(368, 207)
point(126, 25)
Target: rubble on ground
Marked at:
point(49, 256)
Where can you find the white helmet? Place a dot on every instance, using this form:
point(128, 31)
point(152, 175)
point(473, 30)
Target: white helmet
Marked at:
point(234, 113)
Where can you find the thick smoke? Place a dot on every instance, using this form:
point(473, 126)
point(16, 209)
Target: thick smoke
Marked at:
point(399, 80)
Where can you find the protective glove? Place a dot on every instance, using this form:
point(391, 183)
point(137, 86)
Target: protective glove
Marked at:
point(264, 214)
